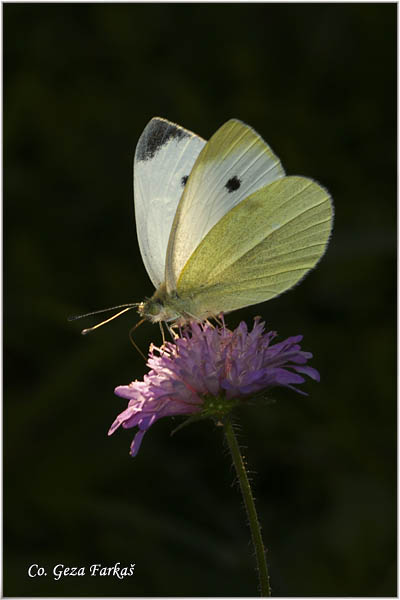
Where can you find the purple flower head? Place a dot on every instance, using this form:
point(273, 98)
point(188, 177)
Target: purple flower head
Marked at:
point(208, 370)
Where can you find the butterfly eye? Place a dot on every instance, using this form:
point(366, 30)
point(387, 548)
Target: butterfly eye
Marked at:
point(233, 184)
point(150, 308)
point(184, 180)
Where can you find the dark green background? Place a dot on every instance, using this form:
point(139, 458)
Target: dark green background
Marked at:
point(318, 82)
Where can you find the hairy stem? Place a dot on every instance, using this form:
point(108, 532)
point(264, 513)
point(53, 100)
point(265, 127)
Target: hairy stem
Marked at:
point(250, 507)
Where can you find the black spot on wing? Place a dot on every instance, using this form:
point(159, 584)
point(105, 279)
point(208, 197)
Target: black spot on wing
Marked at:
point(184, 180)
point(233, 184)
point(159, 133)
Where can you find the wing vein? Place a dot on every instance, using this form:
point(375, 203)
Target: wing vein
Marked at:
point(236, 258)
point(225, 174)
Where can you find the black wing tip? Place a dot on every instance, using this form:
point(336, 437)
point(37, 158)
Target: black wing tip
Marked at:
point(156, 134)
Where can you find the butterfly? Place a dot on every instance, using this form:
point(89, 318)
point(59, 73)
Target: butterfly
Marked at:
point(219, 224)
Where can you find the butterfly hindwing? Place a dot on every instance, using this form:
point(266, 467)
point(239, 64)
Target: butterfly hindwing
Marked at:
point(262, 247)
point(233, 164)
point(164, 157)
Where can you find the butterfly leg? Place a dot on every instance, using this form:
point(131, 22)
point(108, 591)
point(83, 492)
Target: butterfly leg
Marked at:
point(132, 329)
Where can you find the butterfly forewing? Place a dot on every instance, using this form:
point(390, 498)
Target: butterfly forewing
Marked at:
point(232, 165)
point(164, 157)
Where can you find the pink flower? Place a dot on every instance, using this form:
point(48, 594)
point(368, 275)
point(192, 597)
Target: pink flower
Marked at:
point(208, 363)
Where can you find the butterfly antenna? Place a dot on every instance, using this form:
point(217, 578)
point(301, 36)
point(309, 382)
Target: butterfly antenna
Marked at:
point(121, 312)
point(133, 341)
point(96, 312)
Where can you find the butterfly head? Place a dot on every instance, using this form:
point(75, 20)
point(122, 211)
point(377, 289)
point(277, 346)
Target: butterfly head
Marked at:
point(164, 306)
point(154, 310)
point(150, 309)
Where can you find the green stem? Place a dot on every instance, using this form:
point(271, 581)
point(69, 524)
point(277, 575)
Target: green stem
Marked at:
point(250, 507)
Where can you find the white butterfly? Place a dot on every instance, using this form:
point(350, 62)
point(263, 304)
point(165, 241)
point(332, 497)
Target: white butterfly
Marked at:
point(219, 224)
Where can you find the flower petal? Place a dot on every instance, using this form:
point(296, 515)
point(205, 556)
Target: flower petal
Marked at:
point(210, 361)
